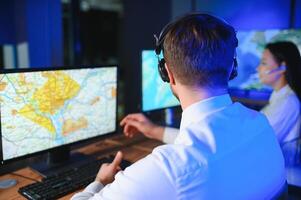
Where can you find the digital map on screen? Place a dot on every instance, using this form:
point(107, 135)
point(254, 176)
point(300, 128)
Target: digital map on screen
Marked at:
point(44, 109)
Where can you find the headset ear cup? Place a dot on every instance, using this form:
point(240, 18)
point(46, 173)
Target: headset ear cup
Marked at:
point(234, 70)
point(162, 70)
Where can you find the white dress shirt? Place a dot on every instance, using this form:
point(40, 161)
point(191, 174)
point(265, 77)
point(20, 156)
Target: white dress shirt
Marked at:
point(223, 151)
point(170, 134)
point(283, 113)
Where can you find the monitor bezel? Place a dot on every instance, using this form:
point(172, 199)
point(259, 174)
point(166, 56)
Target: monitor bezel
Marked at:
point(87, 140)
point(141, 91)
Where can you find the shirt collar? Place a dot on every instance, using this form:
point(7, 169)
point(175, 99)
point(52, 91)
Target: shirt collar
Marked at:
point(203, 108)
point(284, 91)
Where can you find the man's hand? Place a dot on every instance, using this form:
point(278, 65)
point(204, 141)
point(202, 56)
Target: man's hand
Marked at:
point(138, 123)
point(108, 171)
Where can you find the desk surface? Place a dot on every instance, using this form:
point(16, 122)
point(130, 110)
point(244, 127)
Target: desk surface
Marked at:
point(133, 150)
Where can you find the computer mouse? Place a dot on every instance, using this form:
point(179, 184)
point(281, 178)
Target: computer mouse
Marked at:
point(7, 183)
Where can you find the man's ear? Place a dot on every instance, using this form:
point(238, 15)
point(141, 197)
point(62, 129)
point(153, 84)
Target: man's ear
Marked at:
point(170, 75)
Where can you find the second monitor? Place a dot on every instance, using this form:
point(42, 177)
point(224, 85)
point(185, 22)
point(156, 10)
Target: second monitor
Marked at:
point(156, 94)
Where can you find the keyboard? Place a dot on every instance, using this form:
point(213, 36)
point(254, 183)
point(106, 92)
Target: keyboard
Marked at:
point(66, 181)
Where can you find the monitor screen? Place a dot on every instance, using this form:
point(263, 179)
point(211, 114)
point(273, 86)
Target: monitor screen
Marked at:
point(44, 109)
point(156, 94)
point(250, 47)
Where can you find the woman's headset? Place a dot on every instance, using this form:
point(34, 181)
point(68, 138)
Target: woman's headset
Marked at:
point(159, 48)
point(280, 68)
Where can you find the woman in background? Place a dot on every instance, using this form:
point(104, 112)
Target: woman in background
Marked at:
point(280, 68)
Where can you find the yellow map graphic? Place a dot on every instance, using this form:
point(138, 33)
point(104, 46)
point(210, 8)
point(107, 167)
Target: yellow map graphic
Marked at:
point(49, 98)
point(114, 92)
point(3, 86)
point(70, 125)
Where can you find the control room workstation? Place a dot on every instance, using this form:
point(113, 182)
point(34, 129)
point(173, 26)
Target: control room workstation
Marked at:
point(200, 97)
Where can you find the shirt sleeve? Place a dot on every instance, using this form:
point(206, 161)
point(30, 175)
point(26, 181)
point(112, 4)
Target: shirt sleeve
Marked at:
point(89, 191)
point(145, 180)
point(170, 134)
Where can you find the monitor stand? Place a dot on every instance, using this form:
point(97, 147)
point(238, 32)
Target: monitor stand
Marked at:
point(58, 159)
point(173, 117)
point(169, 116)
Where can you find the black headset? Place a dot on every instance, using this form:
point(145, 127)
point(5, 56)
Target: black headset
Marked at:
point(159, 48)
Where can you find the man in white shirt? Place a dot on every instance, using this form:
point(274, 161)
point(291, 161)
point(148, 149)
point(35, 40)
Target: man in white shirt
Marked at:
point(223, 150)
point(280, 69)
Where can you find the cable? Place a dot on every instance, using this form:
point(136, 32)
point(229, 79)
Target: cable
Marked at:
point(26, 177)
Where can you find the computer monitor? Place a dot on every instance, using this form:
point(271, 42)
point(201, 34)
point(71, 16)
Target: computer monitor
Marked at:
point(45, 109)
point(156, 94)
point(250, 47)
